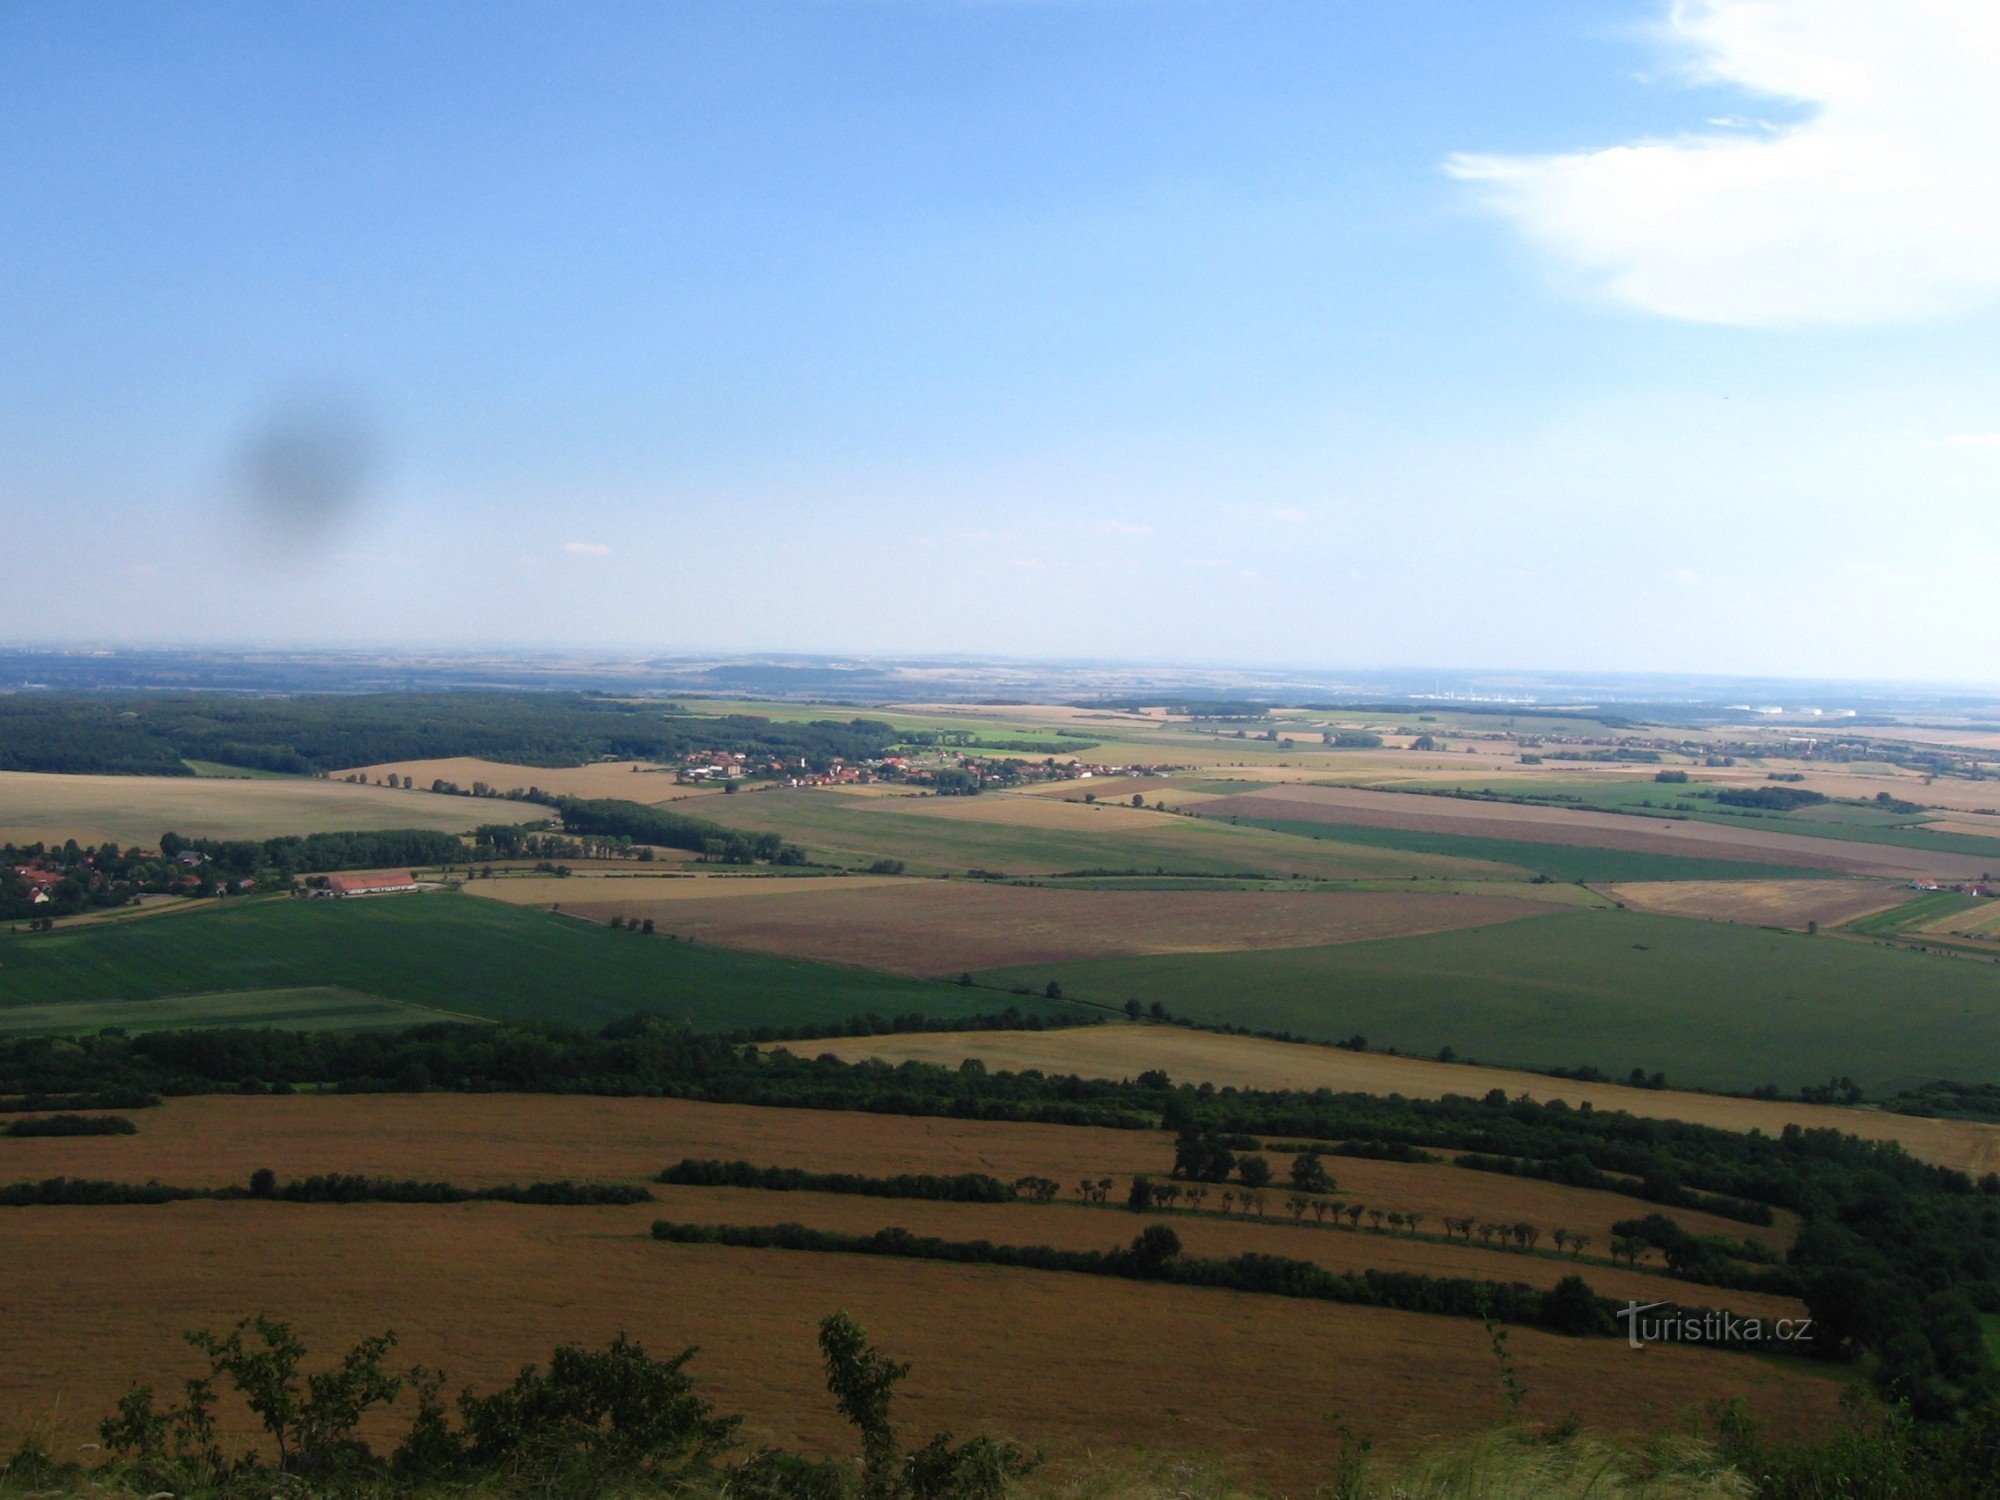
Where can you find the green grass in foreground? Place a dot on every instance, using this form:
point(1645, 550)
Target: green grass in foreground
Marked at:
point(1712, 1005)
point(454, 953)
point(1557, 861)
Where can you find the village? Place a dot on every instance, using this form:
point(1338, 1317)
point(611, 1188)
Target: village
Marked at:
point(945, 770)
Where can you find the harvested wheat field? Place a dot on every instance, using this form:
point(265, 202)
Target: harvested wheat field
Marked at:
point(631, 781)
point(479, 1140)
point(1050, 1359)
point(924, 927)
point(1250, 1062)
point(1981, 921)
point(1979, 825)
point(483, 1140)
point(1552, 825)
point(1076, 1226)
point(1762, 903)
point(1105, 789)
point(38, 808)
point(1013, 810)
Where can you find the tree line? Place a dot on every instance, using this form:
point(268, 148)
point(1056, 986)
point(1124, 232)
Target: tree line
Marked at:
point(963, 1187)
point(1896, 1259)
point(157, 734)
point(61, 1125)
point(1155, 1255)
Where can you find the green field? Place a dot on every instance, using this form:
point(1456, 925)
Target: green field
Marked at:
point(1557, 861)
point(1712, 1005)
point(857, 830)
point(1858, 823)
point(306, 1008)
point(1912, 913)
point(449, 952)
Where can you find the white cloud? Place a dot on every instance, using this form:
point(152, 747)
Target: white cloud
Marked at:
point(1123, 528)
point(1290, 514)
point(1881, 206)
point(586, 549)
point(1974, 440)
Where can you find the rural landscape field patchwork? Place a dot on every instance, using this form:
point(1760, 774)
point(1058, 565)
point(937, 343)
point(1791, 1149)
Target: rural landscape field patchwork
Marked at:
point(1048, 1042)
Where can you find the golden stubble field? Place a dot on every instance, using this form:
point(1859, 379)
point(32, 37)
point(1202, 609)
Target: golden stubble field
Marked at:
point(630, 781)
point(1070, 1362)
point(1764, 903)
point(37, 807)
point(927, 927)
point(479, 1140)
point(1119, 1051)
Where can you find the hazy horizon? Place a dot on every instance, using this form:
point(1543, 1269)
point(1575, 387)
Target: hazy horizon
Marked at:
point(1591, 335)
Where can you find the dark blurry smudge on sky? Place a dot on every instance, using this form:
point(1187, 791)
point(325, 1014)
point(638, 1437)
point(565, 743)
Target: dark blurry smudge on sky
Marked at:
point(302, 471)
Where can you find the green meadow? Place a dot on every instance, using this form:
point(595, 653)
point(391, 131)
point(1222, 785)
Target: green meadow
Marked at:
point(1711, 1005)
point(859, 830)
point(1557, 861)
point(452, 953)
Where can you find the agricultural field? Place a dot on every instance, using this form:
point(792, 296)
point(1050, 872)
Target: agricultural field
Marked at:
point(1019, 835)
point(1125, 1051)
point(1763, 903)
point(1867, 822)
point(628, 780)
point(38, 807)
point(1711, 1005)
point(483, 959)
point(1978, 920)
point(1047, 1359)
point(1472, 823)
point(304, 1008)
point(937, 927)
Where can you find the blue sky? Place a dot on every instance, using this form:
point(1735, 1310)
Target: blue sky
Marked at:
point(1594, 335)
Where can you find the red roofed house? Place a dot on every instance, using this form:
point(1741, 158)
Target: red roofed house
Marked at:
point(369, 885)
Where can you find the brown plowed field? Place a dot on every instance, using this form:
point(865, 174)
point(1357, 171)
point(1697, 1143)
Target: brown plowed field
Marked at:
point(1763, 903)
point(1555, 825)
point(939, 927)
point(1070, 1362)
point(1249, 1062)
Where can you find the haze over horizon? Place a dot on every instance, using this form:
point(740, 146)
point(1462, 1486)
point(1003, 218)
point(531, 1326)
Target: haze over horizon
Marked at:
point(1584, 335)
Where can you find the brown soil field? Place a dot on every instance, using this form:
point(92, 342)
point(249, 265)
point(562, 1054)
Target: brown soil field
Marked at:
point(480, 1140)
point(1550, 825)
point(1763, 903)
point(1050, 1359)
point(1249, 1062)
point(630, 781)
point(943, 927)
point(35, 807)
